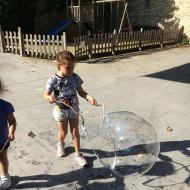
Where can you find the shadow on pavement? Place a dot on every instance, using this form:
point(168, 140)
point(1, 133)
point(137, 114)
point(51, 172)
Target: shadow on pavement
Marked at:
point(80, 179)
point(165, 167)
point(181, 146)
point(77, 179)
point(115, 58)
point(176, 74)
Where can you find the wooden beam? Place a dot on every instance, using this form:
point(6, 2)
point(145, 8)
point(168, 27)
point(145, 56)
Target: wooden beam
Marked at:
point(106, 1)
point(125, 12)
point(129, 22)
point(121, 24)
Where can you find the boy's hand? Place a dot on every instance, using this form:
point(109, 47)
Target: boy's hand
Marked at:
point(91, 100)
point(11, 136)
point(12, 126)
point(51, 99)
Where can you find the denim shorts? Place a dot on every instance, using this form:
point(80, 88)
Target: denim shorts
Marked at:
point(6, 146)
point(63, 114)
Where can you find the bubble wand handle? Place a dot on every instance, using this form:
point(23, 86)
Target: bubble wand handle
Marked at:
point(78, 113)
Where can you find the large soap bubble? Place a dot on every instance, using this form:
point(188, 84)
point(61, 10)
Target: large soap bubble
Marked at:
point(99, 138)
point(122, 141)
point(135, 142)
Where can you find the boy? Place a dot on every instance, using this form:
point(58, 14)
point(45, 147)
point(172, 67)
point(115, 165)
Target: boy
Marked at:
point(63, 87)
point(7, 131)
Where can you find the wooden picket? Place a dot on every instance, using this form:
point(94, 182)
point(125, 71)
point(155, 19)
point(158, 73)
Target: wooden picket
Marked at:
point(111, 43)
point(10, 41)
point(43, 46)
point(87, 46)
point(32, 45)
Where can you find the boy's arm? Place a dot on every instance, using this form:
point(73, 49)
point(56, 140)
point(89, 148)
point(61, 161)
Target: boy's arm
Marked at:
point(86, 96)
point(12, 126)
point(49, 97)
point(48, 91)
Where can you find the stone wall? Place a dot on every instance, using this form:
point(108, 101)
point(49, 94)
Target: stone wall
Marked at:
point(160, 13)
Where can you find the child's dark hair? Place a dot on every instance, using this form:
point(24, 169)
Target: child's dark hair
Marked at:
point(63, 57)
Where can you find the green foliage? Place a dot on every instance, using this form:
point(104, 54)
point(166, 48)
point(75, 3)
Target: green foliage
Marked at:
point(14, 13)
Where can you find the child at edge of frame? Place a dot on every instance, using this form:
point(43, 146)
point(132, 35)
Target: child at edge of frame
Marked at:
point(62, 89)
point(7, 134)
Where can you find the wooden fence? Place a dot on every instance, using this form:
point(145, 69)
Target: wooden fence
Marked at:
point(110, 43)
point(33, 45)
point(87, 46)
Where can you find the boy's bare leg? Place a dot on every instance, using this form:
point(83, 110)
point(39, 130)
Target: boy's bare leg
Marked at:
point(76, 141)
point(4, 176)
point(4, 163)
point(63, 129)
point(75, 133)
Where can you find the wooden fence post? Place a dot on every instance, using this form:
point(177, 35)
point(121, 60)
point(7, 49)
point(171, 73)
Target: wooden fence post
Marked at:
point(140, 39)
point(161, 38)
point(114, 42)
point(89, 41)
point(2, 40)
point(21, 42)
point(64, 41)
point(181, 32)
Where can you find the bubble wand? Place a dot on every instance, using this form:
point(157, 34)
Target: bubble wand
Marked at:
point(86, 131)
point(4, 146)
point(79, 114)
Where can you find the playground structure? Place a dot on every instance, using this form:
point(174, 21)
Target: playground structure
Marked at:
point(95, 16)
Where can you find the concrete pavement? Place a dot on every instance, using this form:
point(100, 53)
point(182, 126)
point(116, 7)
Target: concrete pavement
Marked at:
point(154, 85)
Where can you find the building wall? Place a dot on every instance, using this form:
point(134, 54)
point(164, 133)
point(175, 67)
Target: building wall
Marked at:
point(160, 13)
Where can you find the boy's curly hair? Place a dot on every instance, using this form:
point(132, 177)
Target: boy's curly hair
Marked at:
point(63, 57)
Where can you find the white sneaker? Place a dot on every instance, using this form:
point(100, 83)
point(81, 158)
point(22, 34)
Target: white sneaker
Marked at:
point(5, 182)
point(60, 150)
point(80, 159)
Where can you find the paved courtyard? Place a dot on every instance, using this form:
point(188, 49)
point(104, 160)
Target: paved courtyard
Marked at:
point(152, 84)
